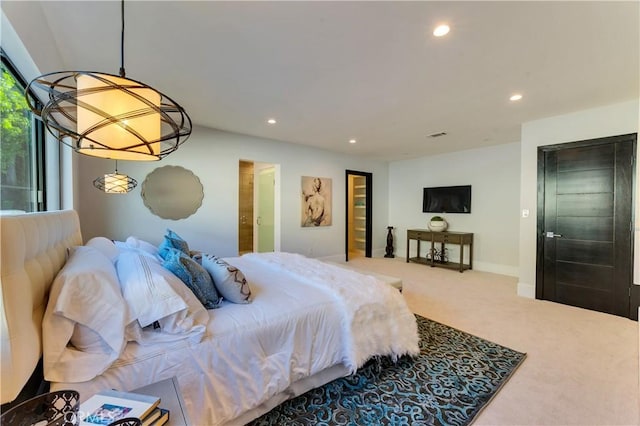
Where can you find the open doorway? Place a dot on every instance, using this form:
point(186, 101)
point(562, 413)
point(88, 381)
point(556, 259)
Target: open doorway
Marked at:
point(359, 214)
point(258, 207)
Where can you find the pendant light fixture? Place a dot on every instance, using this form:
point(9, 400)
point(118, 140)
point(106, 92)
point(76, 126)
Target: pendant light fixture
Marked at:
point(115, 183)
point(109, 116)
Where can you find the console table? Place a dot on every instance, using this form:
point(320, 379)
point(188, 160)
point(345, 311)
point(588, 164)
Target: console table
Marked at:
point(443, 238)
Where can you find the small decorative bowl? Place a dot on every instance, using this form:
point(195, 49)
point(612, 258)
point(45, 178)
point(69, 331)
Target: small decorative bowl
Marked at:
point(437, 225)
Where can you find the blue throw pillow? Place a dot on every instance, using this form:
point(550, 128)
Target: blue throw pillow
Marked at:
point(172, 241)
point(194, 276)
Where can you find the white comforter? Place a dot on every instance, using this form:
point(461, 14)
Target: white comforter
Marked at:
point(306, 316)
point(375, 317)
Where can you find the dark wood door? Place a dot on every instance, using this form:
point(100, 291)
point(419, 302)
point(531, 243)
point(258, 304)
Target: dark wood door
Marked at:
point(585, 224)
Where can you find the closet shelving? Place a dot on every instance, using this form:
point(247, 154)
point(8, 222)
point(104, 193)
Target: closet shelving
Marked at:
point(359, 213)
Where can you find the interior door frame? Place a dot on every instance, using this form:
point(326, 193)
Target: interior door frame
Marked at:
point(259, 171)
point(277, 225)
point(634, 290)
point(368, 207)
point(277, 212)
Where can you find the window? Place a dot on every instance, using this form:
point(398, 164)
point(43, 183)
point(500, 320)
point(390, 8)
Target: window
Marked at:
point(22, 146)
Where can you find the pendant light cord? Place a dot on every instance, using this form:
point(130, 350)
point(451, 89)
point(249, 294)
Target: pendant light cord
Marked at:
point(122, 41)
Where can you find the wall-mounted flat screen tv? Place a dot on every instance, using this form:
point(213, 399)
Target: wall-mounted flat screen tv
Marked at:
point(447, 199)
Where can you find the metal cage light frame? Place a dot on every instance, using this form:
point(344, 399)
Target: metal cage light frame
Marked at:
point(115, 183)
point(109, 116)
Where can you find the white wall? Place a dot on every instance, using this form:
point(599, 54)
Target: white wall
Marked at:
point(213, 156)
point(611, 120)
point(18, 18)
point(494, 175)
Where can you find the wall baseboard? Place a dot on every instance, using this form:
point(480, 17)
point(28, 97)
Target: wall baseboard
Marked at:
point(339, 258)
point(526, 290)
point(496, 268)
point(379, 252)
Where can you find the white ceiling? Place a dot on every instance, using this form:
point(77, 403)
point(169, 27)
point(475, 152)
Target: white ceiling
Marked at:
point(332, 71)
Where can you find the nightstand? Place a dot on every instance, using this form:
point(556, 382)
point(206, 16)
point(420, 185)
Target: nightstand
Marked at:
point(170, 399)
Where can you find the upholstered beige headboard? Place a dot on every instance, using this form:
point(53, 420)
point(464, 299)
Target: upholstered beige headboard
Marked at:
point(32, 252)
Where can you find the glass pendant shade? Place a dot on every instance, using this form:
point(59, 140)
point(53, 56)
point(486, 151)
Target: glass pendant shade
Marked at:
point(115, 183)
point(120, 111)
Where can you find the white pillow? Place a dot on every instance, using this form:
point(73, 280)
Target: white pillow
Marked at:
point(135, 242)
point(105, 246)
point(229, 280)
point(87, 309)
point(148, 295)
point(189, 323)
point(86, 340)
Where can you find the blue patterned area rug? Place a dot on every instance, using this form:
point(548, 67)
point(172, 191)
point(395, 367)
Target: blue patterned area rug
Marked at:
point(453, 378)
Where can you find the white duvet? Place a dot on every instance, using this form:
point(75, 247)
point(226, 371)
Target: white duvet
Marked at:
point(306, 316)
point(375, 317)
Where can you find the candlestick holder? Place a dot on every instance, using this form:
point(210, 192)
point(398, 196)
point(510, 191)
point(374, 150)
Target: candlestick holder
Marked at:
point(389, 248)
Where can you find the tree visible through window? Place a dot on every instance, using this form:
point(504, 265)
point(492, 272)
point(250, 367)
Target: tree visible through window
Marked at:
point(18, 149)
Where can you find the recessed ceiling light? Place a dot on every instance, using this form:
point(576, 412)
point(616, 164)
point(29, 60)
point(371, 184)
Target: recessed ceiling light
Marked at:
point(441, 30)
point(272, 121)
point(352, 141)
point(515, 97)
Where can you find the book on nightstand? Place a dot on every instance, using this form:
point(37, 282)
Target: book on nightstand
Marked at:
point(169, 392)
point(108, 406)
point(157, 417)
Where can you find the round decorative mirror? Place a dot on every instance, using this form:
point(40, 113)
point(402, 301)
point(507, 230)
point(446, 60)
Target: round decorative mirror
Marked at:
point(172, 192)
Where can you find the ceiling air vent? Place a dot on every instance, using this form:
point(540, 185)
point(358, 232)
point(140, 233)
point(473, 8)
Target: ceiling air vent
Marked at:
point(437, 135)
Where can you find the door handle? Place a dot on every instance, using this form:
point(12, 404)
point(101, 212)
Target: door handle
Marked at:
point(550, 234)
point(259, 220)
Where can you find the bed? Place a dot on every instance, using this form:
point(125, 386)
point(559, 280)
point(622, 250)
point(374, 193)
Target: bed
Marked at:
point(308, 323)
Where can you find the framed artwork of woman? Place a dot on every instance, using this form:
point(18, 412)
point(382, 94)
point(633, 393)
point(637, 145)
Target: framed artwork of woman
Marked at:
point(316, 201)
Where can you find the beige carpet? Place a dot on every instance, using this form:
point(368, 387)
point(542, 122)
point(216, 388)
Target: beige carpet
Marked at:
point(581, 366)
